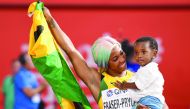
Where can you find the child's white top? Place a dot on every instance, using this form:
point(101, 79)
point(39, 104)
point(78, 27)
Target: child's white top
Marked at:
point(150, 81)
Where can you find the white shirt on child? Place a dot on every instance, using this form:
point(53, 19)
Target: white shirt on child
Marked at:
point(149, 81)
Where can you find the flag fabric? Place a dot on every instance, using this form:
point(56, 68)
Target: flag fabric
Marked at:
point(49, 61)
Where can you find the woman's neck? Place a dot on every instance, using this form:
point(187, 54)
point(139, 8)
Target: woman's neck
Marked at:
point(116, 74)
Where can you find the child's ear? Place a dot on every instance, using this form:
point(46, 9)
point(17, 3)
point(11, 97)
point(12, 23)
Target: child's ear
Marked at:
point(155, 52)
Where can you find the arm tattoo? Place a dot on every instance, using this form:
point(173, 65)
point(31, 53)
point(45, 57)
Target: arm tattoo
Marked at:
point(51, 23)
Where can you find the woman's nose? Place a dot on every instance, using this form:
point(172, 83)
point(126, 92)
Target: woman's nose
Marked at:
point(122, 59)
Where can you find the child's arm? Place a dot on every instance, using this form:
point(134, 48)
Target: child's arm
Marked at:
point(125, 85)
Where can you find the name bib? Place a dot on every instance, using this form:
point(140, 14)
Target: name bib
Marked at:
point(117, 99)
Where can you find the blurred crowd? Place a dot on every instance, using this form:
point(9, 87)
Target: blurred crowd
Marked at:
point(24, 87)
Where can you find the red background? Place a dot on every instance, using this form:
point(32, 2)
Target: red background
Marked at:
point(102, 2)
point(167, 20)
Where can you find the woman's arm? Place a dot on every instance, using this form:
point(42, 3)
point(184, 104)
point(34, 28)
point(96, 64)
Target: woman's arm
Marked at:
point(89, 75)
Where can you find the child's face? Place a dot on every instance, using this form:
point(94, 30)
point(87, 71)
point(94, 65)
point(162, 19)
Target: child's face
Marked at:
point(143, 53)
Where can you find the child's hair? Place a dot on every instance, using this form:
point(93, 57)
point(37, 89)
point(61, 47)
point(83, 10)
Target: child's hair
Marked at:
point(152, 42)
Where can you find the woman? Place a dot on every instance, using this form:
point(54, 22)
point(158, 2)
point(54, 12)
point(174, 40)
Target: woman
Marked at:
point(109, 57)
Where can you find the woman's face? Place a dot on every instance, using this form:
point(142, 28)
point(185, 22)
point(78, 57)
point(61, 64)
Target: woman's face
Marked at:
point(117, 61)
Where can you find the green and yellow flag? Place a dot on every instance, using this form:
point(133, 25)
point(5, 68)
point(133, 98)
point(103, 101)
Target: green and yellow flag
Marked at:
point(48, 59)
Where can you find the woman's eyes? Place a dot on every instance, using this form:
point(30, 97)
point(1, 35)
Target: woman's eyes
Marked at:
point(122, 52)
point(115, 58)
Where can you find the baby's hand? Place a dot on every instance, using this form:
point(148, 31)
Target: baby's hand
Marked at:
point(120, 85)
point(140, 106)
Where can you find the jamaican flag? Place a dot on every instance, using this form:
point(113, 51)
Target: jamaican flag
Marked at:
point(48, 59)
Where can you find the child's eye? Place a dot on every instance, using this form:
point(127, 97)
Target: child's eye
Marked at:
point(136, 53)
point(144, 52)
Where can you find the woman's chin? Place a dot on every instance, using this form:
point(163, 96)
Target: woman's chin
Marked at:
point(122, 69)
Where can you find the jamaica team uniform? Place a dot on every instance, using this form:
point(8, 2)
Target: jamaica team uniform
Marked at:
point(111, 97)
